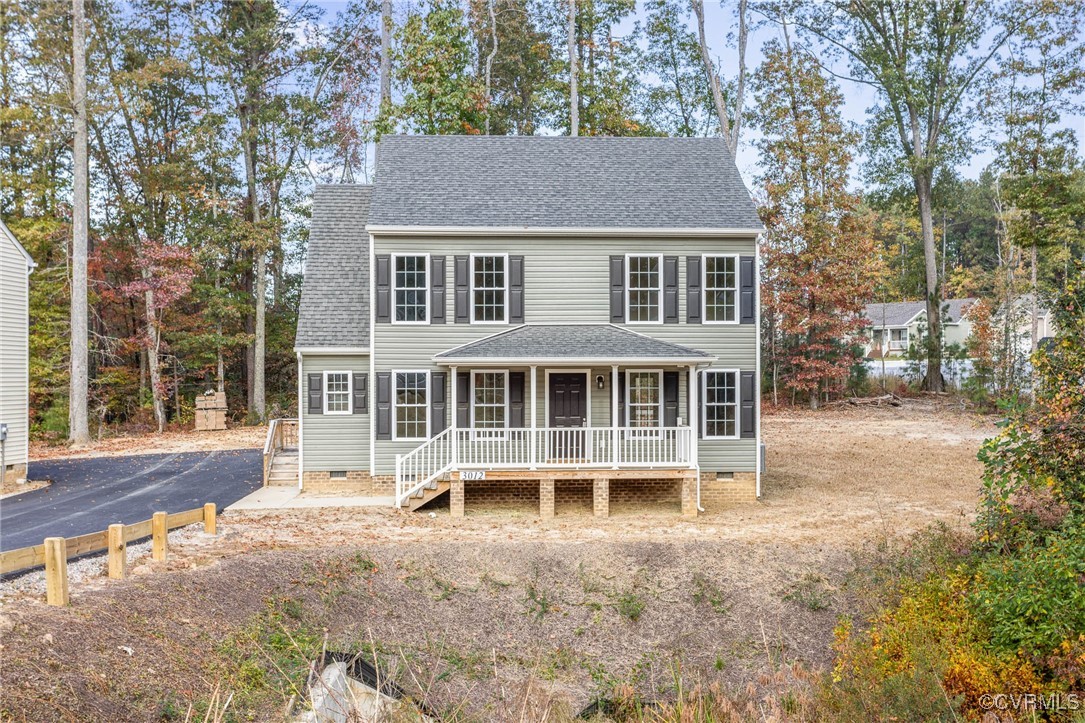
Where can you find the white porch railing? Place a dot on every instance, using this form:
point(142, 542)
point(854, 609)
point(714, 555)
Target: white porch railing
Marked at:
point(542, 448)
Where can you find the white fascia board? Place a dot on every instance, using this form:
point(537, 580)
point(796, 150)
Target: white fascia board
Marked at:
point(617, 231)
point(364, 350)
point(31, 264)
point(572, 362)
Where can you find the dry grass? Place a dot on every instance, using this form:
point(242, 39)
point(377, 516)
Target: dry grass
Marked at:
point(502, 617)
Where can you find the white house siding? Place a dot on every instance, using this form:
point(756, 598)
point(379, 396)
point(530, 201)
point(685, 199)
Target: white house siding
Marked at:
point(339, 442)
point(566, 280)
point(14, 356)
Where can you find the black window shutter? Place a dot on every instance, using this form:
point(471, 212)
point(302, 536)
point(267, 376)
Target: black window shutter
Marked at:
point(693, 289)
point(438, 406)
point(516, 400)
point(361, 394)
point(437, 290)
point(748, 414)
point(516, 289)
point(670, 399)
point(617, 289)
point(463, 400)
point(621, 399)
point(316, 394)
point(384, 288)
point(463, 289)
point(747, 289)
point(670, 289)
point(384, 405)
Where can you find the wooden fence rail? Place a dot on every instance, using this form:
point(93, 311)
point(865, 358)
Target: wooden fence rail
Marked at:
point(55, 552)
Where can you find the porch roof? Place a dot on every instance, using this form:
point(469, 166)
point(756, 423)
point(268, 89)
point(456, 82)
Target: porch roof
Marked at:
point(571, 343)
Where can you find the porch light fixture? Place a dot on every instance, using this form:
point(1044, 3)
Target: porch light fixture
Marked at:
point(600, 381)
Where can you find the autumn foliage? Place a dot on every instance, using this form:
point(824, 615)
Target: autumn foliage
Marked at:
point(820, 261)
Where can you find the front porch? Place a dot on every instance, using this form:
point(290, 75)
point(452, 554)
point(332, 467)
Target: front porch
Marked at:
point(561, 417)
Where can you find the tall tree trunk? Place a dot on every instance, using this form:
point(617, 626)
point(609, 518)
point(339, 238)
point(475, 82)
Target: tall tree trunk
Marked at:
point(490, 63)
point(1035, 299)
point(258, 405)
point(386, 52)
point(78, 429)
point(574, 70)
point(153, 344)
point(933, 381)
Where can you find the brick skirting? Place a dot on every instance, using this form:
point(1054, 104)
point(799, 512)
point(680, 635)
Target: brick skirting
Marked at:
point(14, 473)
point(719, 494)
point(357, 482)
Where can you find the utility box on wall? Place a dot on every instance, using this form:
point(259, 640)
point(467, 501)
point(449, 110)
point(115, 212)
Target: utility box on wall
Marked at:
point(211, 412)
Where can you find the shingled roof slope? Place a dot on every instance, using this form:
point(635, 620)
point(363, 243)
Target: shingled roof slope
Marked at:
point(571, 342)
point(559, 182)
point(334, 308)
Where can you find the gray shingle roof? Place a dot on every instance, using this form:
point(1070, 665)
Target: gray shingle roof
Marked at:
point(596, 342)
point(334, 308)
point(559, 182)
point(900, 313)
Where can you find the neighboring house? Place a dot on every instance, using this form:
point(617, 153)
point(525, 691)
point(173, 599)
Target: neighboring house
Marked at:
point(1022, 322)
point(524, 319)
point(15, 268)
point(894, 326)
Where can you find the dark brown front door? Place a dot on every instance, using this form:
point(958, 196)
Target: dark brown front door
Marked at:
point(568, 409)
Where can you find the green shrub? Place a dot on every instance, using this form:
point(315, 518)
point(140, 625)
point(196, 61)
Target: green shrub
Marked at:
point(1033, 601)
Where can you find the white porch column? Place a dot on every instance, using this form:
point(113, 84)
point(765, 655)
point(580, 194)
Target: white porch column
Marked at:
point(455, 417)
point(534, 417)
point(615, 435)
point(693, 390)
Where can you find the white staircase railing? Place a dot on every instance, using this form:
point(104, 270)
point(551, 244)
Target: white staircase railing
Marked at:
point(423, 465)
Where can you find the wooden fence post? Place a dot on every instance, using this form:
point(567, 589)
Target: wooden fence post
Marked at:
point(118, 552)
point(158, 536)
point(56, 571)
point(209, 512)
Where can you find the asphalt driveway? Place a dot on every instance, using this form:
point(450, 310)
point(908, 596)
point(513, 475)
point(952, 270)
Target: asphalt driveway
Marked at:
point(87, 495)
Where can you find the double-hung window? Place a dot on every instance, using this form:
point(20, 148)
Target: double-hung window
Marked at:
point(644, 289)
point(720, 289)
point(720, 404)
point(410, 280)
point(410, 404)
point(898, 339)
point(489, 402)
point(337, 392)
point(644, 399)
point(489, 289)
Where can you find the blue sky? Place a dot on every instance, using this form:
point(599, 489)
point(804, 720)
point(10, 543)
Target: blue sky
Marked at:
point(719, 23)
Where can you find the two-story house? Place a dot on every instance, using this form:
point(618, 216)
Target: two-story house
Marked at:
point(547, 320)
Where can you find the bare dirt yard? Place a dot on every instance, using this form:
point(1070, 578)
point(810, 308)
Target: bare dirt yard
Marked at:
point(499, 616)
point(170, 441)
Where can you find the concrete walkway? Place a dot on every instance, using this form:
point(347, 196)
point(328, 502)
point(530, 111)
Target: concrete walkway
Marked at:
point(290, 498)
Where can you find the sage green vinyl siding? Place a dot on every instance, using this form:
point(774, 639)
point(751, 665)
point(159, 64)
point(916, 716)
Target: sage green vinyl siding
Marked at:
point(334, 442)
point(14, 355)
point(566, 280)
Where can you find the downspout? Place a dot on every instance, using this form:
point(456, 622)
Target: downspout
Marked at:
point(757, 364)
point(301, 423)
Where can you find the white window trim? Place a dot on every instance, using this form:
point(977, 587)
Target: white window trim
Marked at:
point(705, 405)
point(628, 288)
point(643, 432)
point(895, 345)
point(704, 288)
point(395, 415)
point(505, 304)
point(350, 392)
point(425, 295)
point(490, 433)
